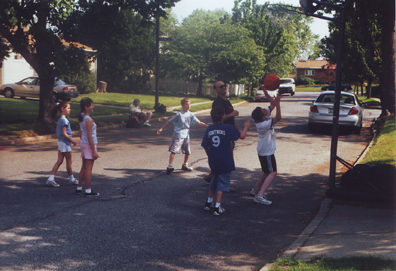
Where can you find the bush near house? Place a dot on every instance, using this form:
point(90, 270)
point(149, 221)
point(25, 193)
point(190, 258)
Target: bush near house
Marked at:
point(302, 80)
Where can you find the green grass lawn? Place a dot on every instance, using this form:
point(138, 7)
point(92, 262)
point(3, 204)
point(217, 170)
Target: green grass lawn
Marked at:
point(325, 264)
point(383, 150)
point(146, 101)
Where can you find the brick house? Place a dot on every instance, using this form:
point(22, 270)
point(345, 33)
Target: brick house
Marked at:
point(316, 70)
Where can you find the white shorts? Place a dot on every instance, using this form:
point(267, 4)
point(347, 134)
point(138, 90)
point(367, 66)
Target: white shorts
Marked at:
point(63, 147)
point(86, 152)
point(178, 144)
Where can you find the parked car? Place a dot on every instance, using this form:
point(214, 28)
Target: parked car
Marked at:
point(287, 85)
point(344, 87)
point(260, 97)
point(30, 87)
point(351, 111)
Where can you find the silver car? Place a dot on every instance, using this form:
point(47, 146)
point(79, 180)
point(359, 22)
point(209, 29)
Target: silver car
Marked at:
point(30, 87)
point(351, 111)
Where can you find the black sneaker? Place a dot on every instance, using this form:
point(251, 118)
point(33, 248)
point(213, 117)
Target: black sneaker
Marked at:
point(218, 211)
point(209, 205)
point(78, 192)
point(169, 169)
point(92, 194)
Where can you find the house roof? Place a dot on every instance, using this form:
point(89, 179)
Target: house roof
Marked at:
point(314, 64)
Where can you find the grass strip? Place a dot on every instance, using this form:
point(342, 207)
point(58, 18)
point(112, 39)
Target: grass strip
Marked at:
point(344, 263)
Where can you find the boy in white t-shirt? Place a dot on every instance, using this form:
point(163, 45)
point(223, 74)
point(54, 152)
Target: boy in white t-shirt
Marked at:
point(142, 114)
point(266, 147)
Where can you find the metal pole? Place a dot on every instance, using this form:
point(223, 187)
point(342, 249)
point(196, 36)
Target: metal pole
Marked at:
point(336, 109)
point(157, 28)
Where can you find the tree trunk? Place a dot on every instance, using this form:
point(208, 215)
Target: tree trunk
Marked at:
point(387, 76)
point(199, 91)
point(46, 98)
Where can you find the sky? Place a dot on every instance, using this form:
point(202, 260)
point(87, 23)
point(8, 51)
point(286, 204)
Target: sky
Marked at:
point(184, 8)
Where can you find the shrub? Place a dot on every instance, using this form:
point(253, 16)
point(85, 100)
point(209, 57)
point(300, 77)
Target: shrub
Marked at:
point(302, 80)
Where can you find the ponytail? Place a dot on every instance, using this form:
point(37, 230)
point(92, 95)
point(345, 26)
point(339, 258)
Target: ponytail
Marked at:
point(58, 106)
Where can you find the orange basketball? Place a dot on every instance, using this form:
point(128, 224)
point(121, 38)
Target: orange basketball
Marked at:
point(271, 82)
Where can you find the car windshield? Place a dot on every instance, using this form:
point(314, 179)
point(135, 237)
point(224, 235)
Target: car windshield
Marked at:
point(329, 98)
point(28, 81)
point(59, 82)
point(286, 81)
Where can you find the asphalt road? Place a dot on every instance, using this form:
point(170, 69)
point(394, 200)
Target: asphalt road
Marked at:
point(147, 220)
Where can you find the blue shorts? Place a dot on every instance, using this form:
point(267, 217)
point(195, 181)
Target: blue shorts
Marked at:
point(220, 182)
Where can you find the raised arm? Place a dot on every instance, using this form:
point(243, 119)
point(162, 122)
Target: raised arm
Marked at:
point(278, 115)
point(245, 128)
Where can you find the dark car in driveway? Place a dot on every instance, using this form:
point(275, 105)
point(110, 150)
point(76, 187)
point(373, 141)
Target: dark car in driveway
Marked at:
point(344, 87)
point(30, 87)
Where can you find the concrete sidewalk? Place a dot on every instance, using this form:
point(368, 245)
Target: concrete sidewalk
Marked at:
point(342, 231)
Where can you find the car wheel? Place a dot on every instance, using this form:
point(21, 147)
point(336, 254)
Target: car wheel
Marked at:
point(356, 130)
point(311, 127)
point(292, 94)
point(8, 93)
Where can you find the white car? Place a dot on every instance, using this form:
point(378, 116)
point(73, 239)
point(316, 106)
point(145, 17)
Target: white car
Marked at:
point(287, 85)
point(351, 111)
point(260, 97)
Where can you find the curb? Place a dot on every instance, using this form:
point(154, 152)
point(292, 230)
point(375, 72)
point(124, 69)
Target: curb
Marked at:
point(306, 234)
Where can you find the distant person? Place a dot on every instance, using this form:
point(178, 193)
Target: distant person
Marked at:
point(266, 146)
point(88, 146)
point(217, 145)
point(181, 135)
point(142, 114)
point(65, 140)
point(230, 114)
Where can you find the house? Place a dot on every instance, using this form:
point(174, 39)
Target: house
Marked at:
point(316, 70)
point(15, 68)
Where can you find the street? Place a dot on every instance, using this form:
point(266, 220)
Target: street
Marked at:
point(145, 219)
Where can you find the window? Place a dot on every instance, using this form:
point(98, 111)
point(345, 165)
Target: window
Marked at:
point(18, 57)
point(309, 72)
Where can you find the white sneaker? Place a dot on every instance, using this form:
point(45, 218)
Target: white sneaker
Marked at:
point(147, 124)
point(52, 183)
point(218, 211)
point(254, 192)
point(74, 181)
point(262, 200)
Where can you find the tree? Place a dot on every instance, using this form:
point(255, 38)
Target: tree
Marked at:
point(370, 55)
point(281, 34)
point(124, 41)
point(208, 47)
point(33, 28)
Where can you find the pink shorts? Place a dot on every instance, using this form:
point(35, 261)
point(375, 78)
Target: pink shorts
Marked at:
point(86, 152)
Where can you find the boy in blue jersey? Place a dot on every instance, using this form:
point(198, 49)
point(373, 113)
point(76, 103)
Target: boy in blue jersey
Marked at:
point(217, 144)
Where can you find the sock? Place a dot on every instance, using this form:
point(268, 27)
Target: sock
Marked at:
point(217, 205)
point(185, 164)
point(51, 177)
point(209, 200)
point(170, 165)
point(71, 177)
point(88, 191)
point(79, 188)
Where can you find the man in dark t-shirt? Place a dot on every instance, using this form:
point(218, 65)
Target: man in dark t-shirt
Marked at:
point(230, 114)
point(221, 100)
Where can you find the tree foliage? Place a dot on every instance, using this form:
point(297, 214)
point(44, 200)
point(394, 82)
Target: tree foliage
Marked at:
point(207, 46)
point(369, 46)
point(33, 28)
